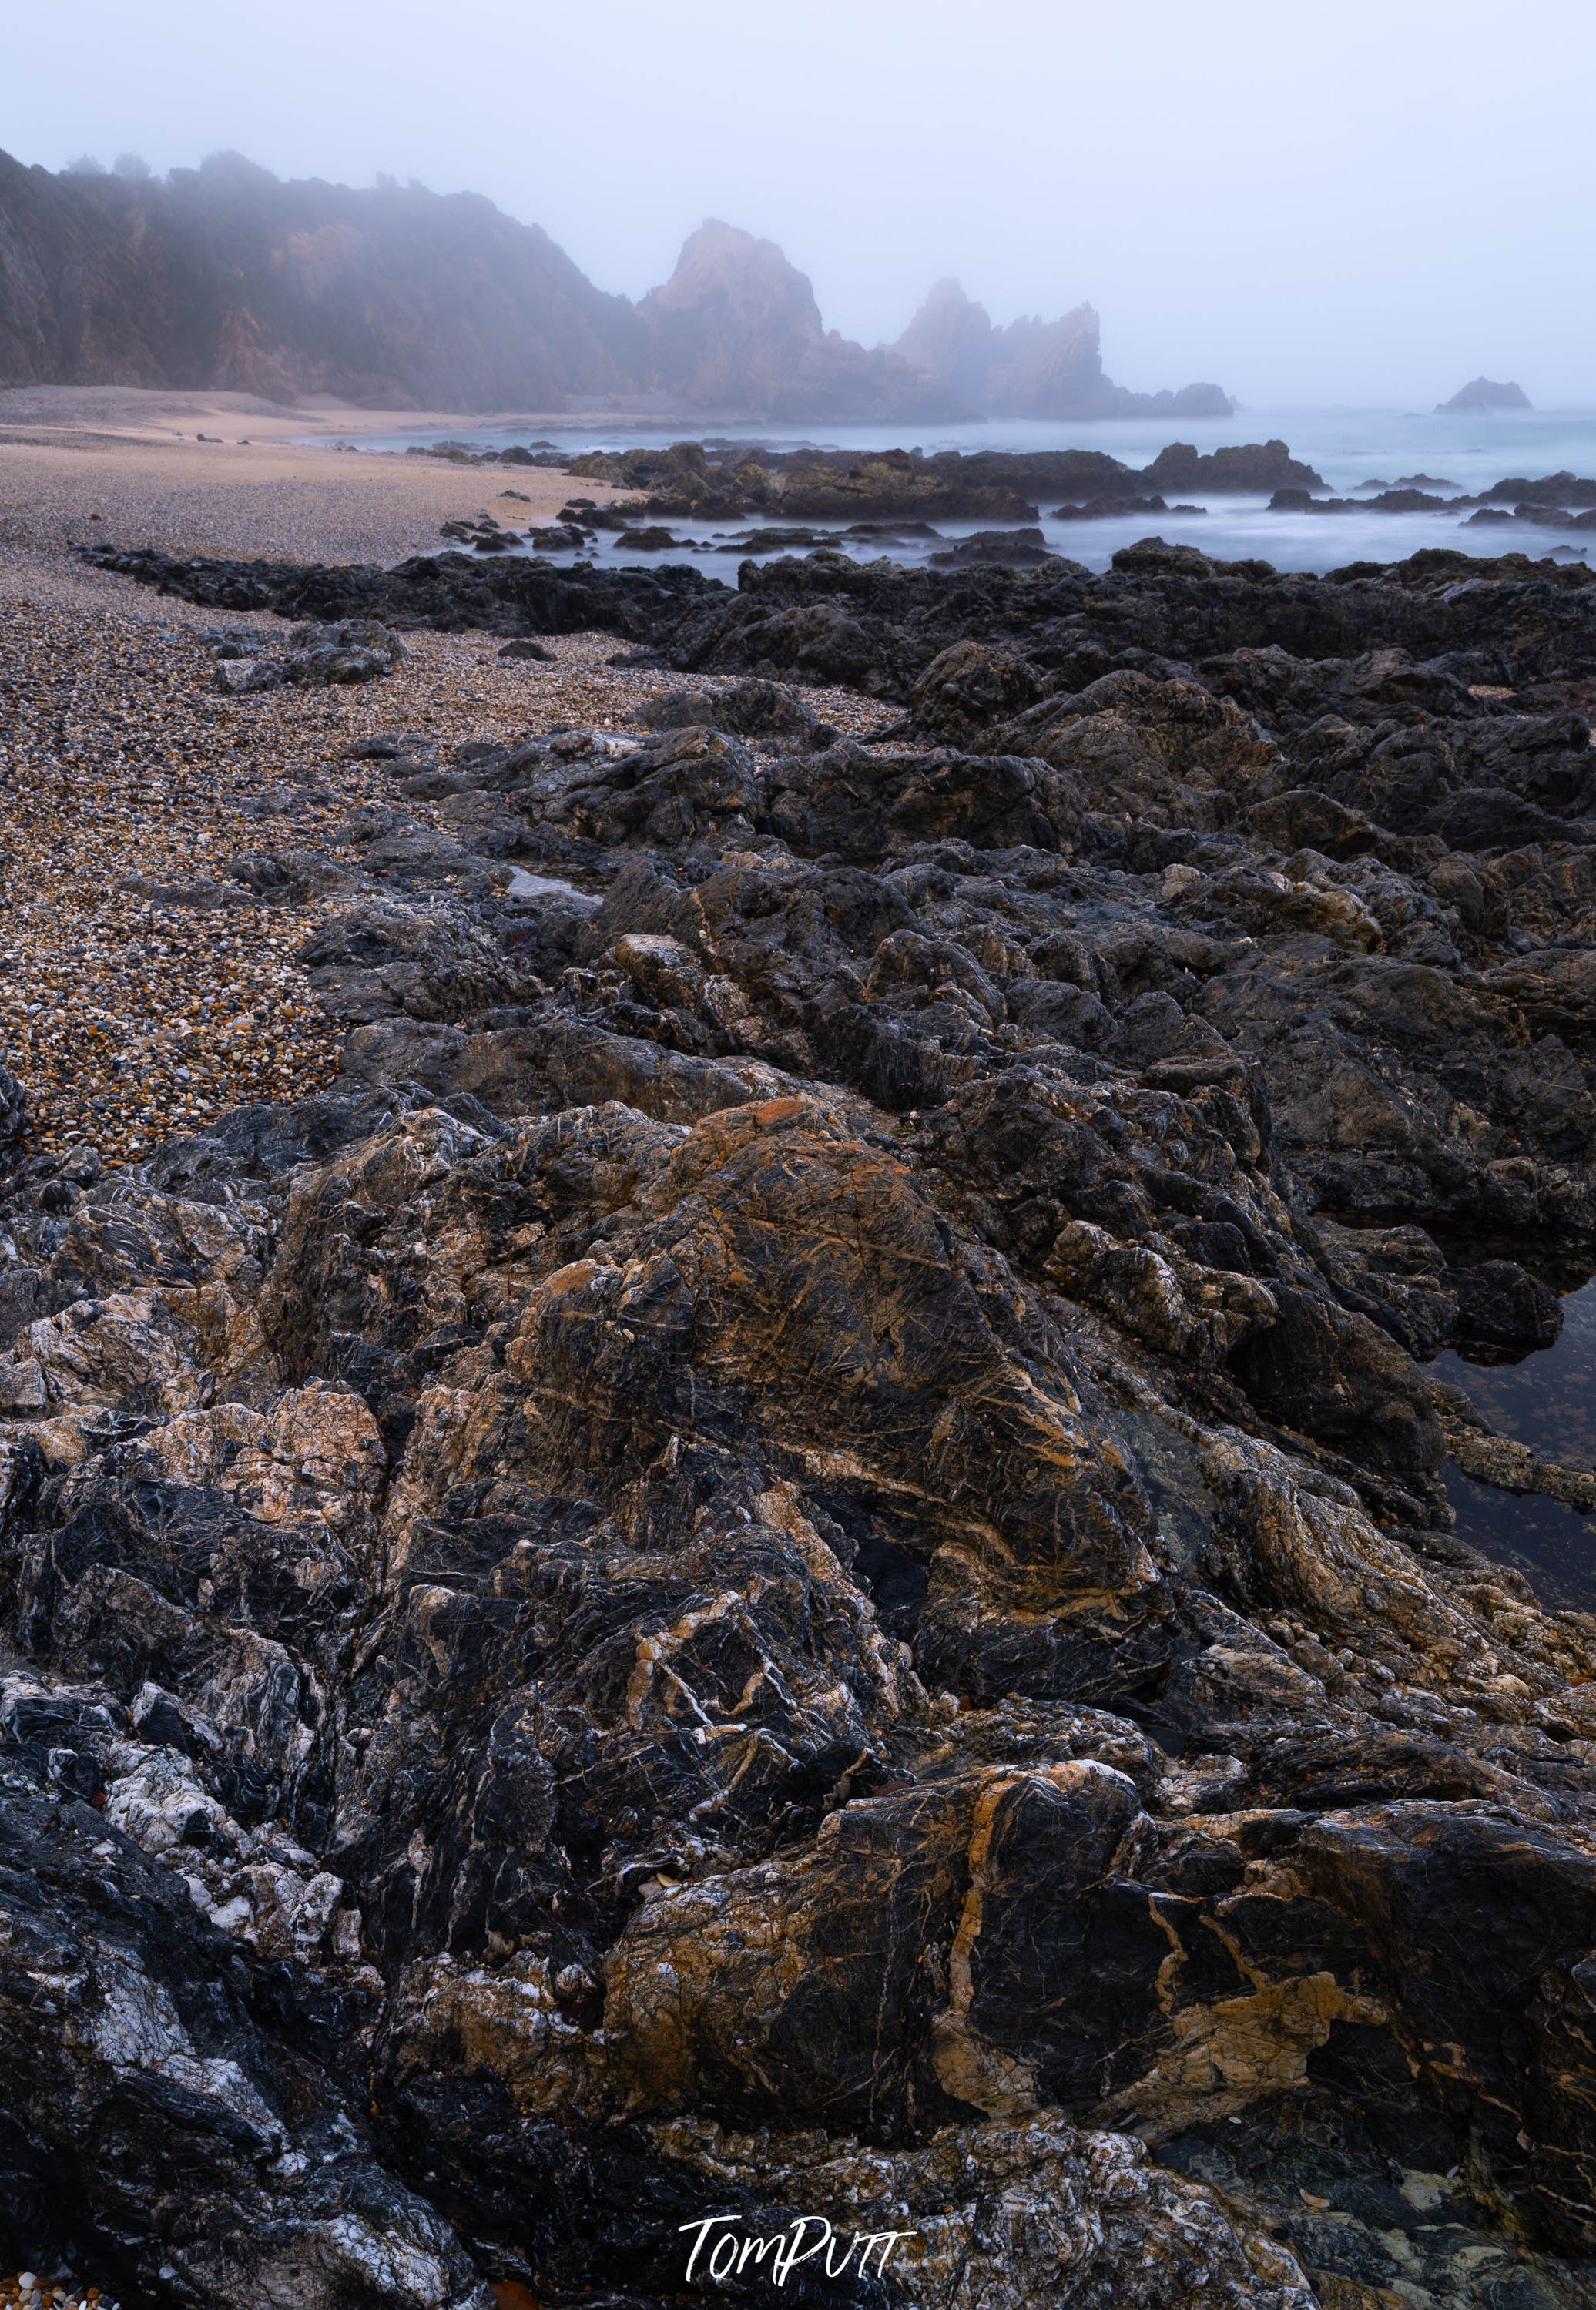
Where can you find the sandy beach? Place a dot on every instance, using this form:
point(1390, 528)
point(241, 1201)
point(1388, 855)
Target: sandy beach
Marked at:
point(99, 462)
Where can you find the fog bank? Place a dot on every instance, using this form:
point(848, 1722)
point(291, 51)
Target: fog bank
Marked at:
point(1370, 206)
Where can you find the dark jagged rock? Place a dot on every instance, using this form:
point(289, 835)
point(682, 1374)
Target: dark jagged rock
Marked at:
point(778, 541)
point(728, 478)
point(1096, 509)
point(1559, 489)
point(723, 480)
point(1537, 515)
point(1246, 466)
point(752, 710)
point(14, 1108)
point(319, 657)
point(445, 590)
point(1015, 549)
point(793, 1557)
point(967, 689)
point(652, 539)
point(1302, 500)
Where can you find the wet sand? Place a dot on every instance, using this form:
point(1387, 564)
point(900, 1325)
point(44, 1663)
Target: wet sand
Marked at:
point(98, 464)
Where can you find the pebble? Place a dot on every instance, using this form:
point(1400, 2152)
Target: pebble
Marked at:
point(29, 2289)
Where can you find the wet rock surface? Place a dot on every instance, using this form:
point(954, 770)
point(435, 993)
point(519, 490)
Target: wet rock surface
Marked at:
point(792, 1558)
point(318, 657)
point(726, 477)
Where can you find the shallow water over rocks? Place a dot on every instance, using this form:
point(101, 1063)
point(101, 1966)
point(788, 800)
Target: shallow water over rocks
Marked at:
point(1549, 1402)
point(1357, 452)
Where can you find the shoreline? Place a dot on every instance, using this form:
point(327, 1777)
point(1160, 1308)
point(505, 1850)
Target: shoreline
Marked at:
point(113, 474)
point(143, 991)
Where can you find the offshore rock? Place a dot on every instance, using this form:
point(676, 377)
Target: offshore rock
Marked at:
point(1031, 368)
point(1484, 393)
point(723, 478)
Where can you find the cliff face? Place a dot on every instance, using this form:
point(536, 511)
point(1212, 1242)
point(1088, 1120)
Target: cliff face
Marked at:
point(736, 326)
point(734, 321)
point(225, 277)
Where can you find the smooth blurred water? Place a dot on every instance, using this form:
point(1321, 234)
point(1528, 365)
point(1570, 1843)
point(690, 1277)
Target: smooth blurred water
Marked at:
point(1347, 446)
point(1549, 1402)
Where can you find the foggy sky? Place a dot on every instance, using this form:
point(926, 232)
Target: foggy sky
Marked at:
point(1368, 201)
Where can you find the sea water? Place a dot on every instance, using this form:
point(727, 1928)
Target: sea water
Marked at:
point(1547, 1402)
point(1348, 448)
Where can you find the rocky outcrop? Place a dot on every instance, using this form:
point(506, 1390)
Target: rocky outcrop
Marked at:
point(791, 1559)
point(449, 591)
point(1032, 367)
point(709, 479)
point(1246, 466)
point(737, 327)
point(319, 657)
point(1486, 393)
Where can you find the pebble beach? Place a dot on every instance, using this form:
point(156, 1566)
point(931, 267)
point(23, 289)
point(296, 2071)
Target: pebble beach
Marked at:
point(143, 988)
point(31, 2289)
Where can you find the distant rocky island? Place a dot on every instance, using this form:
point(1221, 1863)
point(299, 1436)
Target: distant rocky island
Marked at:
point(1484, 393)
point(225, 277)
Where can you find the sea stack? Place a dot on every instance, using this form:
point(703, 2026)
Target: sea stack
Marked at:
point(1484, 393)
